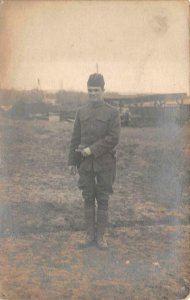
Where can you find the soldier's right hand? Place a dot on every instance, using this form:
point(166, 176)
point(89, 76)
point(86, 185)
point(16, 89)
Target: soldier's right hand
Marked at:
point(73, 170)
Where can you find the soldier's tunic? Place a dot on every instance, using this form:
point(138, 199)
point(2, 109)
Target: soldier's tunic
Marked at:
point(97, 125)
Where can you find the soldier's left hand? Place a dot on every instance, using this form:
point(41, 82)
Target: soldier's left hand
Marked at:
point(86, 152)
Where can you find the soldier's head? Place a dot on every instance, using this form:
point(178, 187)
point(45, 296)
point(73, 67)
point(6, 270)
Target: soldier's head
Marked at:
point(95, 85)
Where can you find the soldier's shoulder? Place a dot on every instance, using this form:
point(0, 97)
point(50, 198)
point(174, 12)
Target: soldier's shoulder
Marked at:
point(113, 110)
point(111, 107)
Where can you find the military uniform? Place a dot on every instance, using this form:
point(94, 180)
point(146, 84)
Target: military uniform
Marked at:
point(97, 126)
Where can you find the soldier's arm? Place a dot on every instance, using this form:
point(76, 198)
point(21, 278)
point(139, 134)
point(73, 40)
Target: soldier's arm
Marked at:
point(75, 142)
point(111, 139)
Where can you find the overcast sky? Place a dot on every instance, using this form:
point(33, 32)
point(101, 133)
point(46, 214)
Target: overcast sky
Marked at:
point(140, 46)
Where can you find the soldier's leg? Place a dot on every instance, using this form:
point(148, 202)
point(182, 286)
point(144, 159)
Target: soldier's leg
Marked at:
point(87, 184)
point(103, 190)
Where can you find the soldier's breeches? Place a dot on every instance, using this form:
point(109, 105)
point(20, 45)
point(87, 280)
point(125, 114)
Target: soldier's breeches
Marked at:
point(104, 182)
point(87, 184)
point(96, 185)
point(89, 199)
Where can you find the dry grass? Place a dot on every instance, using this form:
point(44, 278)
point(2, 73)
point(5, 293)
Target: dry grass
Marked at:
point(42, 217)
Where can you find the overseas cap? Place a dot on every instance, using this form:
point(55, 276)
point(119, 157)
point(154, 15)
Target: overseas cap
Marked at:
point(96, 80)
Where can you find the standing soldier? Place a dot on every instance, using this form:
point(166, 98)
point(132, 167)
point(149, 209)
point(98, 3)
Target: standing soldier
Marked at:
point(92, 151)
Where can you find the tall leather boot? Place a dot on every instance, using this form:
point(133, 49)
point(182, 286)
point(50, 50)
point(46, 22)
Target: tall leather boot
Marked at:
point(102, 220)
point(89, 215)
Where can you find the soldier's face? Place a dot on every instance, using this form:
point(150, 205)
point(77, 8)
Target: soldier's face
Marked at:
point(95, 93)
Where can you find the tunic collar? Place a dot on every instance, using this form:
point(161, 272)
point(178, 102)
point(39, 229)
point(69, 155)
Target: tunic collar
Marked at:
point(97, 104)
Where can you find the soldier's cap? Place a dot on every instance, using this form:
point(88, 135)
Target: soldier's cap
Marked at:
point(96, 79)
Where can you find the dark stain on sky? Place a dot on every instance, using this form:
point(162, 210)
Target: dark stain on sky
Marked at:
point(160, 24)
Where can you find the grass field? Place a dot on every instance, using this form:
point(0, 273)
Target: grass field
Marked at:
point(41, 222)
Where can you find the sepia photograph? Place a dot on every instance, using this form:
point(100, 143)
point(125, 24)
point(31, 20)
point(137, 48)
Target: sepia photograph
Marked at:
point(94, 150)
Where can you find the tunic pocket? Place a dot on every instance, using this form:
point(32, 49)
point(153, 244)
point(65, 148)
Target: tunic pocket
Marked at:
point(101, 124)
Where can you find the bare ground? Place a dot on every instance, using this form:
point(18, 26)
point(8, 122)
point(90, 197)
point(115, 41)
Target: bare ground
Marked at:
point(41, 217)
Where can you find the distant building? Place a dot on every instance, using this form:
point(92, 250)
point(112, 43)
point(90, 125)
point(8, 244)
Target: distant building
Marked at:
point(30, 110)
